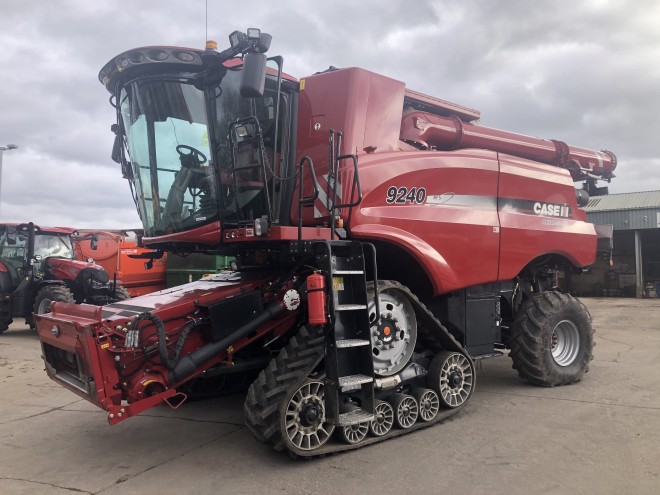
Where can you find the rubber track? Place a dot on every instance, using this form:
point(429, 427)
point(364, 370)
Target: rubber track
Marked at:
point(302, 354)
point(287, 370)
point(430, 331)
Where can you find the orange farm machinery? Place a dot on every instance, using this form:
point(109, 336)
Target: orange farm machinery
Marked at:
point(121, 254)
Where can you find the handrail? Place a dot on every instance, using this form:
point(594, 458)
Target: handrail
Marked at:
point(309, 200)
point(356, 183)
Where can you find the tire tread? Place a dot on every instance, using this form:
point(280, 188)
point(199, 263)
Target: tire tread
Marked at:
point(531, 328)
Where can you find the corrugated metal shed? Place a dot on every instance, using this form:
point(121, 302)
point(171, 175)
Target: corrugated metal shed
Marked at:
point(627, 211)
point(624, 201)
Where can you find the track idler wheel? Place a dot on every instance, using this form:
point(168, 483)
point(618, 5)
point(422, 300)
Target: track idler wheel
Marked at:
point(406, 410)
point(304, 421)
point(429, 403)
point(353, 433)
point(384, 419)
point(452, 376)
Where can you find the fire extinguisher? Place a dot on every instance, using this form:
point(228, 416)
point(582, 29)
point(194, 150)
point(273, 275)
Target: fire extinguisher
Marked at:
point(316, 299)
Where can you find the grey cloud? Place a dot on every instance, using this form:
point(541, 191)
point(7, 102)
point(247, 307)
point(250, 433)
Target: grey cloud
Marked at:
point(580, 71)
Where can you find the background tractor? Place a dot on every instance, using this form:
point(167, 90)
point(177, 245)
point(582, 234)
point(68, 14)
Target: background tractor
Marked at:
point(37, 267)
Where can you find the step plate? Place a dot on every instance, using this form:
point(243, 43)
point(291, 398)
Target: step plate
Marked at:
point(343, 344)
point(350, 307)
point(354, 417)
point(354, 380)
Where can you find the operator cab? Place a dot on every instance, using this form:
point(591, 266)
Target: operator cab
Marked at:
point(202, 137)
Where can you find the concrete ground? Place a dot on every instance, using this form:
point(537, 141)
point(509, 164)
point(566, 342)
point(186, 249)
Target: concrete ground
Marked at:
point(599, 436)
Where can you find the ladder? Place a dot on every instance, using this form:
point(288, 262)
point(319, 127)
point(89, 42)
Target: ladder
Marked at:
point(348, 346)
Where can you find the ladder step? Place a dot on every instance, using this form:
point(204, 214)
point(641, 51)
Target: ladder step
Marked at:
point(348, 272)
point(354, 417)
point(350, 307)
point(343, 344)
point(354, 380)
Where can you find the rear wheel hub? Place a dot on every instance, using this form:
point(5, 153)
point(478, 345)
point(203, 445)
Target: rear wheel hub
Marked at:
point(565, 343)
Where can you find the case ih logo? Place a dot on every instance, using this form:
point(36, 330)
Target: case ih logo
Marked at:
point(552, 210)
point(536, 208)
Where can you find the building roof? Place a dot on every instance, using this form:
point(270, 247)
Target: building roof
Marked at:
point(624, 201)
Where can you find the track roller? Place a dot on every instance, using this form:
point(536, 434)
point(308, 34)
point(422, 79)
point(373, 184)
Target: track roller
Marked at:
point(382, 423)
point(429, 403)
point(406, 410)
point(452, 376)
point(353, 433)
point(305, 423)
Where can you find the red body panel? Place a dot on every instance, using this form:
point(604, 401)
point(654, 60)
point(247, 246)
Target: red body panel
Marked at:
point(206, 234)
point(455, 225)
point(68, 269)
point(527, 235)
point(369, 116)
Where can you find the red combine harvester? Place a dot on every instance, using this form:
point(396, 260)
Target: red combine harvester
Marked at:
point(383, 242)
point(119, 252)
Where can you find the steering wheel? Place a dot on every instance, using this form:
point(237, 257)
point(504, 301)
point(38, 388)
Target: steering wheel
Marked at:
point(193, 154)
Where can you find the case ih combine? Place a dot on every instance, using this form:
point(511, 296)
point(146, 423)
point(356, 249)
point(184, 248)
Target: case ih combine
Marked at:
point(37, 267)
point(383, 243)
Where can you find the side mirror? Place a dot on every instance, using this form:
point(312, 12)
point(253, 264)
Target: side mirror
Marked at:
point(94, 242)
point(116, 149)
point(254, 75)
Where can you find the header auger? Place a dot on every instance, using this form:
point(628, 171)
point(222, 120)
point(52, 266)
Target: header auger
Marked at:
point(382, 243)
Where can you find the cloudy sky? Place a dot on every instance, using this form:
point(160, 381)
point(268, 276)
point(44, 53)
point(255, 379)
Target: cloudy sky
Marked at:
point(585, 72)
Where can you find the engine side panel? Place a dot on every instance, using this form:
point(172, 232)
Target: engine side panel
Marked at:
point(440, 207)
point(539, 215)
point(366, 107)
point(480, 218)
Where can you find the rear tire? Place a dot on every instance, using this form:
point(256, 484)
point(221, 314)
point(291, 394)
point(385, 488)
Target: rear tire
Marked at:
point(51, 293)
point(552, 340)
point(121, 293)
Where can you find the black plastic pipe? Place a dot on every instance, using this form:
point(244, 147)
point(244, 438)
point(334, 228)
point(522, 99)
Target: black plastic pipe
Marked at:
point(191, 363)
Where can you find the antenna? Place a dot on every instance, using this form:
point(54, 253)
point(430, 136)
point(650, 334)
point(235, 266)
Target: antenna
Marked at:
point(206, 23)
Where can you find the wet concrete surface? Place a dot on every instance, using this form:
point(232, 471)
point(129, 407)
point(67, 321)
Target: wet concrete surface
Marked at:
point(599, 436)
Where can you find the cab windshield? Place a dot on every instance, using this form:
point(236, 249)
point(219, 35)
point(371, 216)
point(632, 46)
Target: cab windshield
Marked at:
point(187, 169)
point(47, 245)
point(14, 245)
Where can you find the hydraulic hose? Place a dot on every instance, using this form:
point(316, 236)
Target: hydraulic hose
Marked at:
point(189, 364)
point(169, 362)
